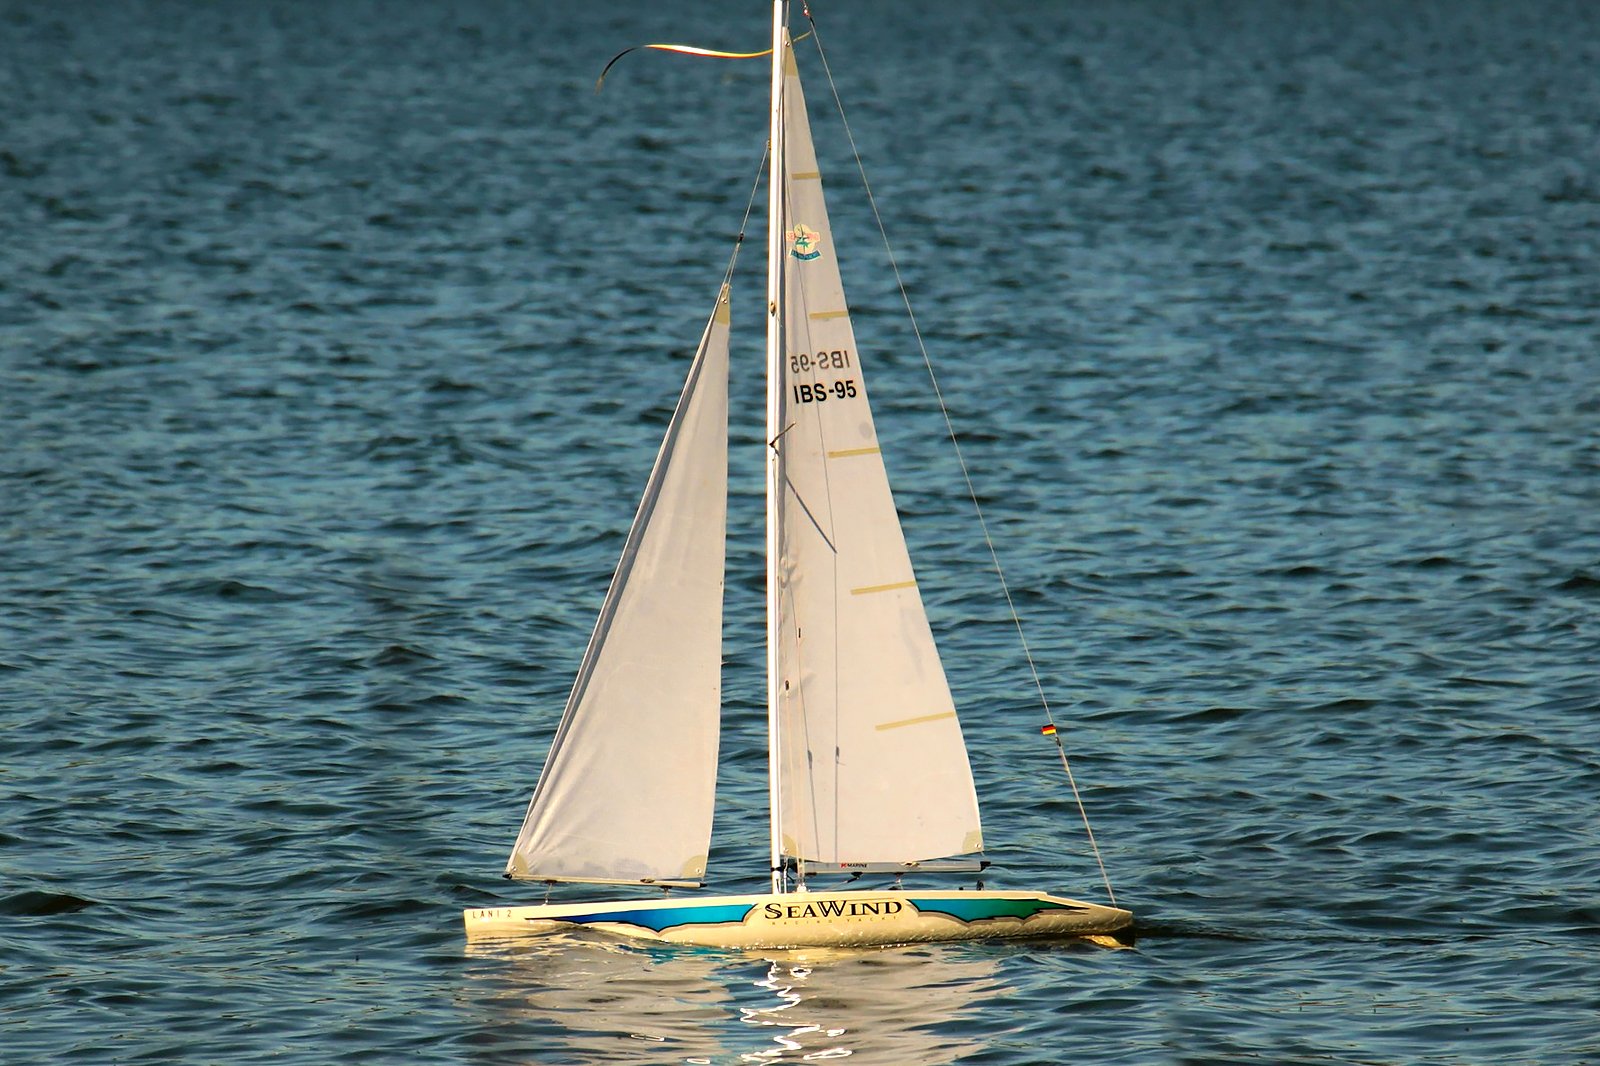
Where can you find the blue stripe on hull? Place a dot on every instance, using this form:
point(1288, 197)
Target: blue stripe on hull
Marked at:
point(660, 919)
point(979, 910)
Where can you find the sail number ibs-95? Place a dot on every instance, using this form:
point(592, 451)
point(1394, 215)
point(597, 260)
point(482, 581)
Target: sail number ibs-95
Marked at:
point(806, 362)
point(821, 391)
point(817, 393)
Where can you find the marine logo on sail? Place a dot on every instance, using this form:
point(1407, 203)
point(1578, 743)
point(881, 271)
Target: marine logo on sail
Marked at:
point(805, 243)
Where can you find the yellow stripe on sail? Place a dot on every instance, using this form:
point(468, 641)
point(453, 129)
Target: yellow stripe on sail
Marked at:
point(818, 316)
point(941, 716)
point(845, 453)
point(806, 175)
point(866, 590)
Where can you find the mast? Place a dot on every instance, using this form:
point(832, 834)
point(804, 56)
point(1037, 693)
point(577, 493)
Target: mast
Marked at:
point(774, 431)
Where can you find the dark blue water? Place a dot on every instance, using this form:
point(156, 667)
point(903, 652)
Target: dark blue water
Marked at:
point(335, 341)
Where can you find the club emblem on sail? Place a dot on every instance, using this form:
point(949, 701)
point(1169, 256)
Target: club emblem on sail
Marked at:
point(805, 243)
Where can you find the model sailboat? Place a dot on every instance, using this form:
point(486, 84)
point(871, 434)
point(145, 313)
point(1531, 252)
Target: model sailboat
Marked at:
point(868, 768)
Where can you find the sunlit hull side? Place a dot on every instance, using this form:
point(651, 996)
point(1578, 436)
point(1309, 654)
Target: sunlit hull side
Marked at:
point(818, 919)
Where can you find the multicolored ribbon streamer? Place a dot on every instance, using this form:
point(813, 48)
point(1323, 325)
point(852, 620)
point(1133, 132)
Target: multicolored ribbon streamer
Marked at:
point(682, 49)
point(688, 50)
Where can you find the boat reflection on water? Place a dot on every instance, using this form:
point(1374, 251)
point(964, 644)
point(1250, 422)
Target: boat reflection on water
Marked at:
point(890, 1005)
point(572, 999)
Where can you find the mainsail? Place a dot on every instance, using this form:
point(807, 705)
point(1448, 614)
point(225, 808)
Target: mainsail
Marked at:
point(627, 789)
point(872, 763)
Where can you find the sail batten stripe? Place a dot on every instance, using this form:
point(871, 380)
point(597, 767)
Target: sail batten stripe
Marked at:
point(806, 175)
point(818, 316)
point(941, 716)
point(867, 590)
point(845, 453)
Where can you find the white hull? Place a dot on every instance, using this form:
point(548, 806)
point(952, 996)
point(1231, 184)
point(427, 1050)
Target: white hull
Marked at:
point(817, 919)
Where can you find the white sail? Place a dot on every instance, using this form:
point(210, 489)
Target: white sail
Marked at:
point(872, 763)
point(627, 789)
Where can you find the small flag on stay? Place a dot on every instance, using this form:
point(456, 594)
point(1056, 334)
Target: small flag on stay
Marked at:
point(1048, 730)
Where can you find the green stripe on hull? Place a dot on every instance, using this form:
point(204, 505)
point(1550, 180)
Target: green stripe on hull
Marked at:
point(978, 909)
point(661, 919)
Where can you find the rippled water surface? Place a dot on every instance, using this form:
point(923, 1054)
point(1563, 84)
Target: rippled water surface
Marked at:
point(335, 341)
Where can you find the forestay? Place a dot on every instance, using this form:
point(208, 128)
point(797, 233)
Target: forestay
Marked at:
point(627, 789)
point(872, 763)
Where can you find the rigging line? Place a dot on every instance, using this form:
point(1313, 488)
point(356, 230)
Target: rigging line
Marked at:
point(1062, 751)
point(966, 475)
point(749, 207)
